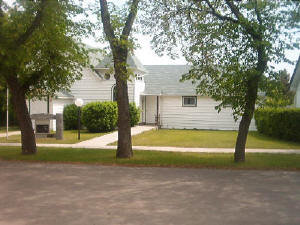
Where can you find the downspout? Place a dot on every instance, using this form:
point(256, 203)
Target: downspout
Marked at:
point(157, 112)
point(145, 109)
point(29, 105)
point(48, 104)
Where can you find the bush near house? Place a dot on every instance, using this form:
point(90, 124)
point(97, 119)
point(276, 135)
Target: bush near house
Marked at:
point(103, 116)
point(70, 117)
point(282, 123)
point(100, 116)
point(135, 113)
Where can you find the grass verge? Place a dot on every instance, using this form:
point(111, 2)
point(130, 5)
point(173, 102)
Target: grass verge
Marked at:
point(13, 128)
point(70, 137)
point(207, 139)
point(155, 158)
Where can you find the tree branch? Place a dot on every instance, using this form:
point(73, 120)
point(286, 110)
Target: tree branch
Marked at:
point(234, 10)
point(105, 16)
point(34, 25)
point(218, 15)
point(243, 21)
point(258, 14)
point(130, 19)
point(1, 11)
point(34, 78)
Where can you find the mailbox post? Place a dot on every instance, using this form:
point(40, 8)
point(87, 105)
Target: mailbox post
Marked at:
point(79, 104)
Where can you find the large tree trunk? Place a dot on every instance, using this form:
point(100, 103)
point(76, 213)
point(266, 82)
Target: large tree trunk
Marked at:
point(239, 154)
point(124, 149)
point(251, 96)
point(21, 110)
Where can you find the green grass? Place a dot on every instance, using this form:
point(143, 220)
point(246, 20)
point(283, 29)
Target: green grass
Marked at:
point(70, 137)
point(207, 139)
point(3, 129)
point(154, 158)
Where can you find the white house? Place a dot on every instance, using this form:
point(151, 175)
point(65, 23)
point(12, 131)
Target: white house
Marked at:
point(295, 84)
point(155, 89)
point(97, 84)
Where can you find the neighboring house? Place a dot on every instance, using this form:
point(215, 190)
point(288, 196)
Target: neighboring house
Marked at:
point(295, 84)
point(156, 90)
point(177, 105)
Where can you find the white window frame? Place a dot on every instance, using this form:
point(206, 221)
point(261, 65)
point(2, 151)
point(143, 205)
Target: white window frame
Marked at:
point(189, 105)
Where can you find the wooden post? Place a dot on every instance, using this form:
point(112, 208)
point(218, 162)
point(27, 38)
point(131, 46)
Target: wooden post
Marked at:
point(59, 126)
point(7, 113)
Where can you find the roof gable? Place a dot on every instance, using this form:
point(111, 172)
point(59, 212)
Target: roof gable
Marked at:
point(165, 80)
point(295, 80)
point(132, 61)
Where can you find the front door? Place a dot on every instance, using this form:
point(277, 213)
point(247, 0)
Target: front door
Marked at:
point(150, 109)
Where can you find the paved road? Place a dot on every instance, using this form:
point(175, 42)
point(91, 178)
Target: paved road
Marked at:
point(44, 194)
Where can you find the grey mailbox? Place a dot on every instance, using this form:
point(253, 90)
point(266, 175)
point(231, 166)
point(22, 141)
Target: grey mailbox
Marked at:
point(42, 125)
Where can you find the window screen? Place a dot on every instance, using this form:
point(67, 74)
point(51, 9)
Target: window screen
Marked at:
point(189, 101)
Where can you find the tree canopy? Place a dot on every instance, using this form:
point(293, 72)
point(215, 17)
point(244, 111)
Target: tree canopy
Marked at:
point(40, 45)
point(40, 53)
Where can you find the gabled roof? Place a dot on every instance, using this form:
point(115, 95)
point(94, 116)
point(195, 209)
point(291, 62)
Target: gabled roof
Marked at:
point(164, 80)
point(295, 80)
point(132, 61)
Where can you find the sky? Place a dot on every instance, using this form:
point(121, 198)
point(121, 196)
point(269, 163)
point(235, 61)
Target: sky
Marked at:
point(148, 56)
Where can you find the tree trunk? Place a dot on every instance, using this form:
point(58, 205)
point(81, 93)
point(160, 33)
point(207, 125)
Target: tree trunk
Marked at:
point(251, 96)
point(124, 149)
point(239, 154)
point(21, 110)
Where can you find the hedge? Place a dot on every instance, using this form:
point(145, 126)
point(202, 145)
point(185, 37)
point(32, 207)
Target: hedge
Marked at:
point(283, 123)
point(103, 116)
point(100, 116)
point(70, 117)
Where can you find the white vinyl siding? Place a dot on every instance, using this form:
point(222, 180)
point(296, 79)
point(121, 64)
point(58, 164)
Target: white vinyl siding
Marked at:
point(297, 97)
point(58, 107)
point(151, 110)
point(204, 116)
point(92, 88)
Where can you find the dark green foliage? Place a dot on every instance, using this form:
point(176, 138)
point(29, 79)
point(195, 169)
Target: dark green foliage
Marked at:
point(135, 113)
point(282, 123)
point(277, 89)
point(71, 117)
point(100, 116)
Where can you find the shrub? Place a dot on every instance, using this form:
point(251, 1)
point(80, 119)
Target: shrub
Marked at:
point(282, 123)
point(135, 113)
point(70, 117)
point(100, 116)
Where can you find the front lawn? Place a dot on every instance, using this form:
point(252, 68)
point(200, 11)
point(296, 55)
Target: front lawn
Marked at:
point(13, 128)
point(155, 158)
point(207, 139)
point(70, 137)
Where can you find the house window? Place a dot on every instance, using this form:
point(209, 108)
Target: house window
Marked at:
point(138, 77)
point(189, 101)
point(114, 93)
point(106, 76)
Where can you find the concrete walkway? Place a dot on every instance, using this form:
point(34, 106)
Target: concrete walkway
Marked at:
point(110, 138)
point(10, 133)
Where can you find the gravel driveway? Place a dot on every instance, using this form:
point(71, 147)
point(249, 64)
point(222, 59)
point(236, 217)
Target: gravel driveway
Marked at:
point(42, 194)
